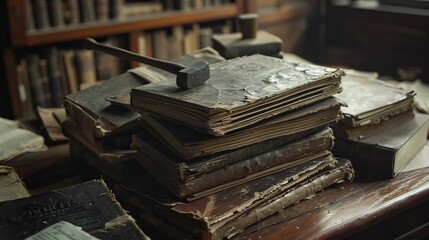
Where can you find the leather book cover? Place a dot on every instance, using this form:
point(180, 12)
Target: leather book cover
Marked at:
point(385, 154)
point(186, 169)
point(89, 205)
point(269, 162)
point(188, 144)
point(239, 93)
point(370, 100)
point(90, 109)
point(354, 133)
point(94, 109)
point(227, 212)
point(273, 227)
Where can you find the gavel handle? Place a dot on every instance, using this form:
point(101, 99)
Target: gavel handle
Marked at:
point(171, 67)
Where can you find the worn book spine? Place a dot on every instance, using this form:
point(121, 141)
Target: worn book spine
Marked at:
point(183, 170)
point(342, 171)
point(287, 154)
point(55, 77)
point(29, 16)
point(41, 14)
point(56, 13)
point(209, 216)
point(24, 89)
point(35, 79)
point(47, 95)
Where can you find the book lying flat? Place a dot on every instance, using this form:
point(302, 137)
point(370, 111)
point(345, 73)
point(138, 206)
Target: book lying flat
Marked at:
point(186, 169)
point(385, 154)
point(370, 100)
point(347, 132)
point(225, 213)
point(94, 109)
point(239, 93)
point(96, 116)
point(195, 186)
point(188, 143)
point(89, 205)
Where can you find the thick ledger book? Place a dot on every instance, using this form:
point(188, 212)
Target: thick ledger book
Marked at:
point(228, 212)
point(96, 116)
point(94, 109)
point(89, 205)
point(188, 143)
point(187, 169)
point(371, 104)
point(269, 162)
point(385, 154)
point(239, 93)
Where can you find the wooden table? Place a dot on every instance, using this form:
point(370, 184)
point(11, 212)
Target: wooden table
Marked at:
point(386, 209)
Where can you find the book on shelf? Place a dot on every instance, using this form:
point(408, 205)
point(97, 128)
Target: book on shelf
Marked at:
point(239, 93)
point(68, 64)
point(102, 10)
point(160, 44)
point(249, 168)
point(372, 106)
point(24, 88)
point(225, 213)
point(131, 9)
point(41, 14)
point(46, 85)
point(89, 205)
point(385, 154)
point(11, 185)
point(36, 80)
point(30, 24)
point(55, 77)
point(85, 66)
point(56, 13)
point(87, 11)
point(73, 11)
point(107, 66)
point(188, 143)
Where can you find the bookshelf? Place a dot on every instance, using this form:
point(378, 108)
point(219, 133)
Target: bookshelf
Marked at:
point(20, 40)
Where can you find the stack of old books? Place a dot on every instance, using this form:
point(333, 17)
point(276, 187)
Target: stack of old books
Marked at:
point(380, 132)
point(252, 140)
point(100, 122)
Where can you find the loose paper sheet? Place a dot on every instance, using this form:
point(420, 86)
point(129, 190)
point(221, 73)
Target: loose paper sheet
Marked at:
point(62, 231)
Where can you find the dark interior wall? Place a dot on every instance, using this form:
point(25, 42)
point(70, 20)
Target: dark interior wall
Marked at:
point(5, 106)
point(382, 39)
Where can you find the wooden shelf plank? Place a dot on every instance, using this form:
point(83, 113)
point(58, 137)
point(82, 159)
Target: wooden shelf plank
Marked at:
point(153, 21)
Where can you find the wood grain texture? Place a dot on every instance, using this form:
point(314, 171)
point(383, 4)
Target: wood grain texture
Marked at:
point(355, 210)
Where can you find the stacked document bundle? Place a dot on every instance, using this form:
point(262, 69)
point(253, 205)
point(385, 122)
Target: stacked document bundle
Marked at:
point(252, 140)
point(380, 132)
point(100, 122)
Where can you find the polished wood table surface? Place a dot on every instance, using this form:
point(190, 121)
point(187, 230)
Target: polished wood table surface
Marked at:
point(371, 209)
